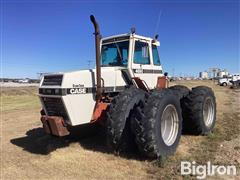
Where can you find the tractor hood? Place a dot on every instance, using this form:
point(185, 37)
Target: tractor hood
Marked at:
point(71, 95)
point(111, 77)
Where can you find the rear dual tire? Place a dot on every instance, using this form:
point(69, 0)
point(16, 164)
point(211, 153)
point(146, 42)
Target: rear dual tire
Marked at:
point(199, 111)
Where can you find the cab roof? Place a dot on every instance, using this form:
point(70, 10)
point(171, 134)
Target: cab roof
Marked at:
point(127, 36)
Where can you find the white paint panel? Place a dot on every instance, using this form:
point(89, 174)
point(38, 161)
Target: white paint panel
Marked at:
point(79, 107)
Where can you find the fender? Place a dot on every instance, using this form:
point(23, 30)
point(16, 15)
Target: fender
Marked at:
point(99, 111)
point(162, 82)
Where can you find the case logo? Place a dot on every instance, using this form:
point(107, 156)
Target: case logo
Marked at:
point(77, 91)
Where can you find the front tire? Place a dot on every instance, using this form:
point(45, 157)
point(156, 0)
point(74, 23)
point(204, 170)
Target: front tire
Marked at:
point(224, 84)
point(157, 124)
point(180, 90)
point(199, 111)
point(119, 135)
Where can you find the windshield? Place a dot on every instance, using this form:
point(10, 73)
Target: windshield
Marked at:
point(115, 54)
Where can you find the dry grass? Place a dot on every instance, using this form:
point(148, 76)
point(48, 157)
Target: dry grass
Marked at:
point(27, 153)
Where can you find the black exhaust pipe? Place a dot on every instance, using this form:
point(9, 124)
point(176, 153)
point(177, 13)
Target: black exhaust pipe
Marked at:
point(98, 63)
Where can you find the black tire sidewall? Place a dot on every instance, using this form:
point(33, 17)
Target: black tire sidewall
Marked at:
point(180, 90)
point(119, 136)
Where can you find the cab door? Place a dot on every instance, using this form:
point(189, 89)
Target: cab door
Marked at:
point(142, 63)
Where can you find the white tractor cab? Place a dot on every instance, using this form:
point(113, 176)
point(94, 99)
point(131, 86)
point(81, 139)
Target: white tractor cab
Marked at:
point(128, 94)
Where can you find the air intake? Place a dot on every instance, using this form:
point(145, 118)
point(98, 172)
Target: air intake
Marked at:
point(52, 80)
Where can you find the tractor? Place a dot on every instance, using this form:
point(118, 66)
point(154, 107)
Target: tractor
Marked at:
point(128, 94)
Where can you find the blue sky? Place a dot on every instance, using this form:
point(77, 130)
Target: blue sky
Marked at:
point(51, 36)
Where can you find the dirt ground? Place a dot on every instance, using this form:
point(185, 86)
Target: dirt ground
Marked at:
point(13, 84)
point(28, 153)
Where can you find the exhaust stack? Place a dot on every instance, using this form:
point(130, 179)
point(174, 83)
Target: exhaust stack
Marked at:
point(98, 63)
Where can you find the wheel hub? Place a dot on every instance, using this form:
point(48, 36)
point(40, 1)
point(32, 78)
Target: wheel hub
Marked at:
point(169, 124)
point(208, 111)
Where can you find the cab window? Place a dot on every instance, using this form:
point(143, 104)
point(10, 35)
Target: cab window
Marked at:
point(115, 54)
point(141, 53)
point(156, 59)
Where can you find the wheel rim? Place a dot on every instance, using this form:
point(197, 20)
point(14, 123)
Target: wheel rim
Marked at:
point(208, 111)
point(169, 124)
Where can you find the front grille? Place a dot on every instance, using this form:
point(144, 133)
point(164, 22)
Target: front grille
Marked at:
point(52, 80)
point(55, 107)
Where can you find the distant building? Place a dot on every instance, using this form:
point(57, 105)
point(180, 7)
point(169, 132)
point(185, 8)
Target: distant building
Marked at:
point(203, 75)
